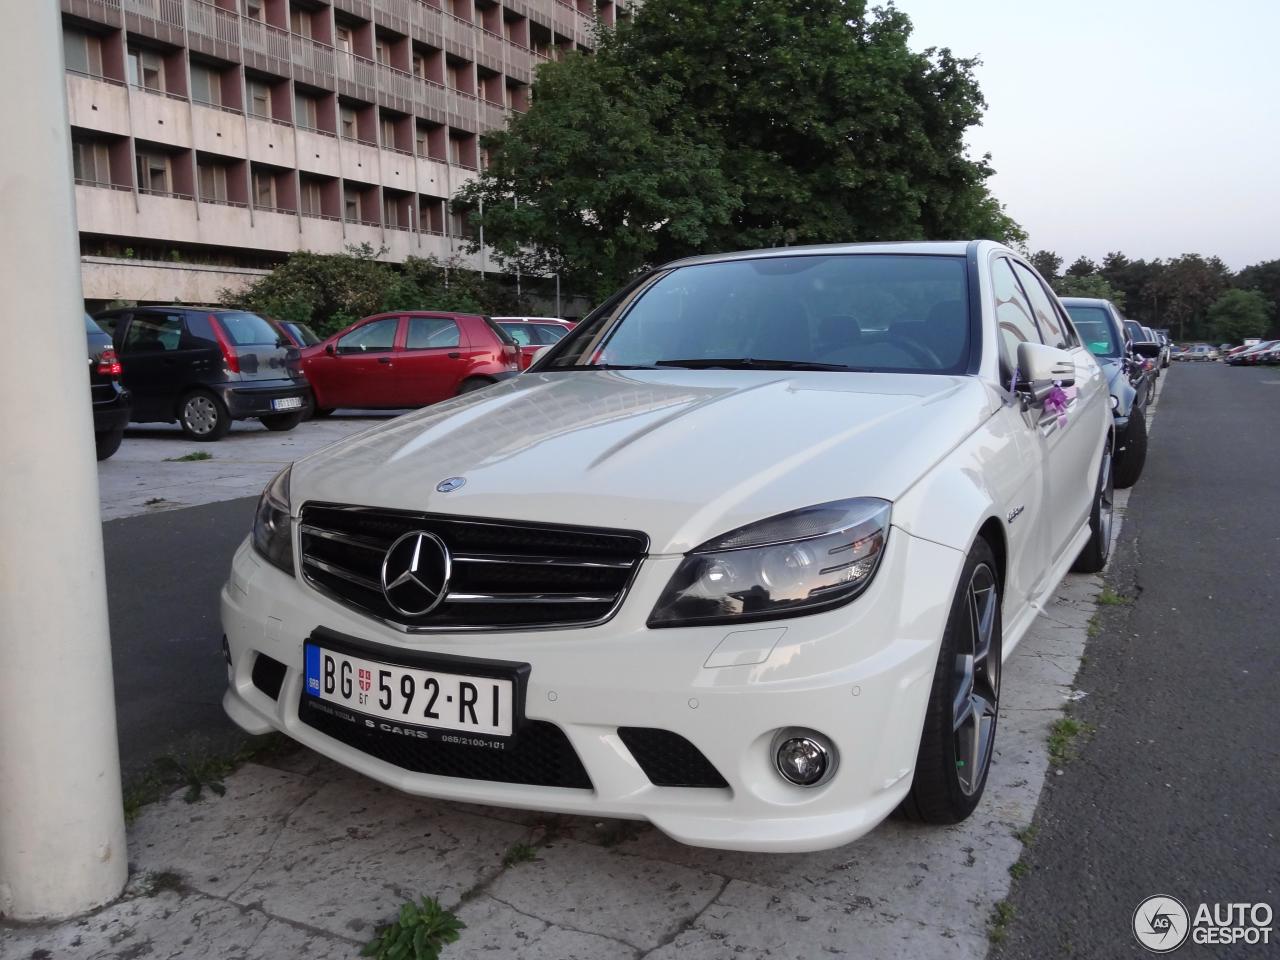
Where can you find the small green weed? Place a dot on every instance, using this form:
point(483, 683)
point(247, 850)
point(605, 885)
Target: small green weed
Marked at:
point(519, 853)
point(418, 933)
point(190, 457)
point(1019, 869)
point(1001, 917)
point(1109, 598)
point(1027, 836)
point(1063, 736)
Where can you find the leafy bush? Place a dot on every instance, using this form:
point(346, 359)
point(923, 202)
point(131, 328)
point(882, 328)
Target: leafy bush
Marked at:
point(419, 933)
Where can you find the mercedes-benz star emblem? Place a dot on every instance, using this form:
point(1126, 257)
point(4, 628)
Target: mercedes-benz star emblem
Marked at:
point(415, 573)
point(450, 485)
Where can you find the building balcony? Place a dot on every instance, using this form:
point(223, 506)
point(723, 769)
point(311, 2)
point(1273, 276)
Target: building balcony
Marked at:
point(97, 103)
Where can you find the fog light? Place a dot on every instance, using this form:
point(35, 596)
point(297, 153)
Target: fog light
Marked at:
point(804, 758)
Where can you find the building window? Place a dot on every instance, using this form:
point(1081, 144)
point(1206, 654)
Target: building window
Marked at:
point(420, 141)
point(206, 85)
point(264, 190)
point(388, 133)
point(343, 38)
point(253, 9)
point(82, 52)
point(420, 66)
point(349, 126)
point(146, 70)
point(390, 212)
point(312, 199)
point(384, 52)
point(91, 162)
point(213, 182)
point(259, 99)
point(305, 111)
point(351, 204)
point(153, 172)
point(300, 22)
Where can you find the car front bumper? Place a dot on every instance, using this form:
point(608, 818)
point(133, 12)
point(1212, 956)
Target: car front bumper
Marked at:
point(254, 398)
point(860, 675)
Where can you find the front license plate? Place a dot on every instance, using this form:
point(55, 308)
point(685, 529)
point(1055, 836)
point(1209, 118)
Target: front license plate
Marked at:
point(410, 695)
point(286, 403)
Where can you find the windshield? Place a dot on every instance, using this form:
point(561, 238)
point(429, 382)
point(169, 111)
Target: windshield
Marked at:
point(871, 312)
point(248, 329)
point(1095, 330)
point(304, 334)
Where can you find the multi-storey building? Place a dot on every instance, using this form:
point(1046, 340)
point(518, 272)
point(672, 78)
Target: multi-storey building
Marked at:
point(213, 137)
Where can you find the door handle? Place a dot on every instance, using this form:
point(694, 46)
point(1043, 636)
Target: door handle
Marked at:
point(454, 356)
point(384, 360)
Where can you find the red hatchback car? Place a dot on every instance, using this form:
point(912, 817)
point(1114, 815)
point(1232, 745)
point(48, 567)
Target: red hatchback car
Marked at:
point(408, 359)
point(533, 333)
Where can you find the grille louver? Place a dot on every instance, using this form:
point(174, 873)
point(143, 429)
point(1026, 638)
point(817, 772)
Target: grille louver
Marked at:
point(506, 575)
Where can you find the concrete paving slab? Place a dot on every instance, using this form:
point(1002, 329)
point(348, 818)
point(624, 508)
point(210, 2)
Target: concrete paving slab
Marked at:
point(142, 477)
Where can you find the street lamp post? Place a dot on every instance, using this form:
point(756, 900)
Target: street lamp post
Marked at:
point(62, 839)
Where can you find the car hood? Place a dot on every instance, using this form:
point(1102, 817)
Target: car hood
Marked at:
point(680, 455)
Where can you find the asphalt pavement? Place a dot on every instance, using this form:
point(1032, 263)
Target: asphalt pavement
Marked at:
point(1177, 791)
point(164, 574)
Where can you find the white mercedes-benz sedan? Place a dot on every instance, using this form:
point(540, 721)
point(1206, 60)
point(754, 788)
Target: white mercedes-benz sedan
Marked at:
point(741, 555)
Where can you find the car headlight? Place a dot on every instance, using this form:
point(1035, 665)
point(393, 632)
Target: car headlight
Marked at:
point(271, 534)
point(798, 562)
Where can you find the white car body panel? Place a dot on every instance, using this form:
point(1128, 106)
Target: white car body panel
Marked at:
point(683, 456)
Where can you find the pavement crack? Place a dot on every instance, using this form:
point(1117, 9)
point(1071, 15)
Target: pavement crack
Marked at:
point(690, 923)
point(284, 826)
point(564, 926)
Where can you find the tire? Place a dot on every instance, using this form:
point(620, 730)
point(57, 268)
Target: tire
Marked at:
point(1128, 463)
point(282, 421)
point(472, 384)
point(959, 735)
point(203, 416)
point(1095, 553)
point(108, 442)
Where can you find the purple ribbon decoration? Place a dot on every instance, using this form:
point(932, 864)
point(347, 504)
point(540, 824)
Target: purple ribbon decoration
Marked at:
point(1055, 403)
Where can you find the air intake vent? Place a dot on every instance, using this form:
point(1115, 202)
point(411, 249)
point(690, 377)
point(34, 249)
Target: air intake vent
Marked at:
point(268, 675)
point(668, 759)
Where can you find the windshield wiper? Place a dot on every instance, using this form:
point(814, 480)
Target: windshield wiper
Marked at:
point(603, 366)
point(748, 363)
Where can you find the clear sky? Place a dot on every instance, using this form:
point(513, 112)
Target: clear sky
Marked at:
point(1147, 127)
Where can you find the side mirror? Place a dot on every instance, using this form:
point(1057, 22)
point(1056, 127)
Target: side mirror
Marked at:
point(1040, 366)
point(330, 349)
point(1145, 348)
point(540, 354)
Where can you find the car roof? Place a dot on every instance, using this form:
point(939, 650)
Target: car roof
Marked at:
point(1084, 301)
point(937, 248)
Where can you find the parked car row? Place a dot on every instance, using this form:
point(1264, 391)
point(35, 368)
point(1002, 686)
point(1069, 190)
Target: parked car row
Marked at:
point(642, 578)
point(1263, 353)
point(1130, 356)
point(205, 368)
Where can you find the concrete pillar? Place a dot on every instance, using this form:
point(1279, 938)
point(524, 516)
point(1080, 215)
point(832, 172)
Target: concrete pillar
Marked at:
point(62, 840)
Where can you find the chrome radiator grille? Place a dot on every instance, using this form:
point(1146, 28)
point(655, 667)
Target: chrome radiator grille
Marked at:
point(504, 575)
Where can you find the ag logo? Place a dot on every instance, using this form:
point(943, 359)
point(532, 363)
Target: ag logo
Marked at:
point(1161, 924)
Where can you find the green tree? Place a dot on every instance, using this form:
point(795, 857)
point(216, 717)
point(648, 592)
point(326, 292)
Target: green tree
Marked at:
point(1093, 285)
point(1263, 277)
point(330, 291)
point(1238, 314)
point(1047, 264)
point(1082, 267)
point(730, 124)
point(1186, 287)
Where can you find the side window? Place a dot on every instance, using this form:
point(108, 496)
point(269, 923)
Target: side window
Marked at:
point(199, 329)
point(110, 323)
point(1051, 326)
point(1013, 313)
point(549, 333)
point(374, 337)
point(427, 333)
point(520, 332)
point(153, 333)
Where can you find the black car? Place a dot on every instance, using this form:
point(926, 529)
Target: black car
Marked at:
point(205, 368)
point(1105, 334)
point(110, 399)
